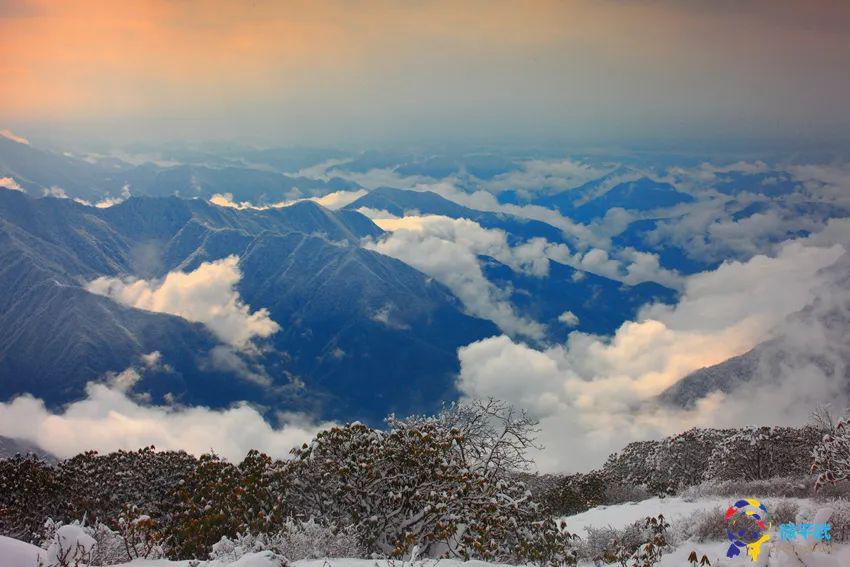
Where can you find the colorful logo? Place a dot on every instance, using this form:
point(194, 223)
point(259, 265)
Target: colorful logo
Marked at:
point(747, 524)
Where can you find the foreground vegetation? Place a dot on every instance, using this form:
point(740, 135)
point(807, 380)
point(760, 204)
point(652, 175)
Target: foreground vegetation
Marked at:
point(453, 485)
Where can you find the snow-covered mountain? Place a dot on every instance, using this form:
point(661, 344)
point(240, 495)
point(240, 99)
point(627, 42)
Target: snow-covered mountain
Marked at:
point(360, 332)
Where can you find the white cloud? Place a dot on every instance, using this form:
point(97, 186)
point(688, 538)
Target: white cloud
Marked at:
point(537, 175)
point(112, 201)
point(595, 393)
point(376, 214)
point(8, 134)
point(338, 199)
point(449, 249)
point(384, 315)
point(206, 295)
point(569, 319)
point(55, 192)
point(105, 203)
point(226, 200)
point(152, 359)
point(225, 358)
point(333, 201)
point(485, 201)
point(125, 380)
point(829, 182)
point(480, 199)
point(10, 183)
point(109, 420)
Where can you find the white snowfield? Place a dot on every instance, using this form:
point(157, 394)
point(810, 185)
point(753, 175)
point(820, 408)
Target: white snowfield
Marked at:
point(14, 553)
point(678, 509)
point(674, 508)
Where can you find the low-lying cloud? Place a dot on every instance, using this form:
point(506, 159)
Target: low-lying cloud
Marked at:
point(10, 183)
point(109, 420)
point(449, 249)
point(206, 295)
point(333, 201)
point(596, 393)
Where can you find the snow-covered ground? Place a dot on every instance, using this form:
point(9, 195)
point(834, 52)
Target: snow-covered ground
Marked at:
point(676, 509)
point(621, 515)
point(14, 553)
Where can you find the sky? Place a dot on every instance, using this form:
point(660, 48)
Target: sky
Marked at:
point(374, 73)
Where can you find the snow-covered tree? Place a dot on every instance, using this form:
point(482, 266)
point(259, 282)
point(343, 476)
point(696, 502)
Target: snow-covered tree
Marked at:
point(831, 457)
point(442, 485)
point(758, 453)
point(100, 487)
point(221, 499)
point(29, 493)
point(295, 541)
point(668, 465)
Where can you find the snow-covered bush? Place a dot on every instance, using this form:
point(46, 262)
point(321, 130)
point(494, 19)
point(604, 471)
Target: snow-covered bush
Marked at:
point(638, 545)
point(29, 493)
point(635, 464)
point(668, 465)
point(838, 513)
point(579, 492)
point(831, 457)
point(92, 486)
point(702, 526)
point(443, 485)
point(601, 542)
point(100, 486)
point(110, 547)
point(619, 493)
point(840, 521)
point(221, 499)
point(783, 512)
point(777, 487)
point(69, 545)
point(296, 541)
point(757, 453)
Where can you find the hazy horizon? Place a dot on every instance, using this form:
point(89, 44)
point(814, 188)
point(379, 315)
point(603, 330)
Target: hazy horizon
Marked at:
point(375, 74)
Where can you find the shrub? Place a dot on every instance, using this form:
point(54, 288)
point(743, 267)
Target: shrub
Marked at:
point(831, 456)
point(220, 499)
point(783, 512)
point(444, 485)
point(69, 545)
point(296, 541)
point(29, 494)
point(760, 453)
point(109, 547)
point(100, 487)
point(839, 518)
point(702, 525)
point(601, 541)
point(639, 545)
point(668, 465)
point(777, 487)
point(618, 493)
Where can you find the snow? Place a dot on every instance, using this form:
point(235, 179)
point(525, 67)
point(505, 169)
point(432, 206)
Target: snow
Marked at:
point(774, 554)
point(14, 553)
point(72, 542)
point(622, 515)
point(18, 553)
point(673, 507)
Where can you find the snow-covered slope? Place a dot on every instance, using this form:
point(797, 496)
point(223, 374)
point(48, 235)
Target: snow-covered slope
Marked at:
point(677, 510)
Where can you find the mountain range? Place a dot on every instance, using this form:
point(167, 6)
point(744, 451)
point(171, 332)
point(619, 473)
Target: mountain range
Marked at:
point(358, 329)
